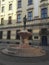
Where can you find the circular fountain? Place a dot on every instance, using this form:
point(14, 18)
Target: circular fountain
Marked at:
point(24, 49)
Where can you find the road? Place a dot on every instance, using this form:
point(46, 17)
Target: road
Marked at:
point(9, 60)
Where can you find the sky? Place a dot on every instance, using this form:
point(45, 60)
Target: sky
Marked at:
point(36, 4)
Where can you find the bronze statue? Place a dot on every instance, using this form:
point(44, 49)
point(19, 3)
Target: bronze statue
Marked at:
point(24, 20)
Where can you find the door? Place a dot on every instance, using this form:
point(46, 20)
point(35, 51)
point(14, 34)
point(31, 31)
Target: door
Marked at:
point(44, 40)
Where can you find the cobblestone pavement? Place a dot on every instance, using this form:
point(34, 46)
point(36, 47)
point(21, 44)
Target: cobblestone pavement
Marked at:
point(9, 60)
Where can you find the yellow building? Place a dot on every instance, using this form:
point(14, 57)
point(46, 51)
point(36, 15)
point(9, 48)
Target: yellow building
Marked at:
point(12, 13)
point(7, 19)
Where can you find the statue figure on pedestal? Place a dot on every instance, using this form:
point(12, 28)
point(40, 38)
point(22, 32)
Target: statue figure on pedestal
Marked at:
point(24, 20)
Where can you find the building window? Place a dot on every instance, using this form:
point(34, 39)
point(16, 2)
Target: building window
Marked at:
point(30, 2)
point(19, 4)
point(2, 21)
point(8, 34)
point(17, 35)
point(2, 8)
point(19, 18)
point(44, 13)
point(3, 0)
point(1, 33)
point(35, 37)
point(43, 0)
point(30, 17)
point(10, 6)
point(9, 20)
point(43, 31)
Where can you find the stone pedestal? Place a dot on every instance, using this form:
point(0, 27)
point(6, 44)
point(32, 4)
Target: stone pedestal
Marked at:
point(24, 37)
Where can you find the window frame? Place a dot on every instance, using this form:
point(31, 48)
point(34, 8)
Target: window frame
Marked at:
point(9, 35)
point(10, 6)
point(44, 14)
point(9, 19)
point(18, 18)
point(1, 34)
point(2, 10)
point(17, 35)
point(19, 4)
point(2, 21)
point(30, 2)
point(3, 0)
point(36, 37)
point(30, 15)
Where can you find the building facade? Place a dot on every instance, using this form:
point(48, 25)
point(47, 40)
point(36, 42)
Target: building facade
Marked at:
point(12, 13)
point(43, 22)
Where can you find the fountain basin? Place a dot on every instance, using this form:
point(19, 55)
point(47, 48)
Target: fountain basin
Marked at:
point(24, 49)
point(24, 52)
